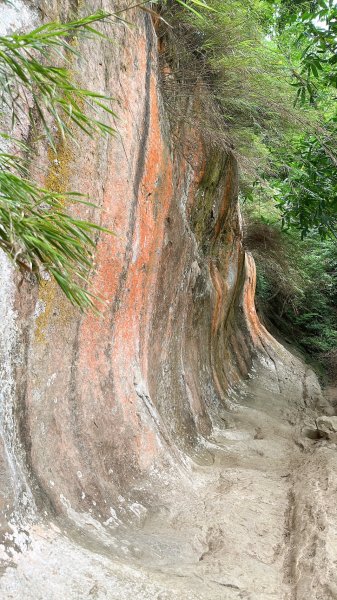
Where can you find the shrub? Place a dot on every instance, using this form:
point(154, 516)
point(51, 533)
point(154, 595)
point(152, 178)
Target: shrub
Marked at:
point(296, 283)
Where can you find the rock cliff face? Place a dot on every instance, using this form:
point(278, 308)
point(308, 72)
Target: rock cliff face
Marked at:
point(158, 451)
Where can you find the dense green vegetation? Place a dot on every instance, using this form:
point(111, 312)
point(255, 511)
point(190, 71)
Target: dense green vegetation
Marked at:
point(296, 292)
point(269, 67)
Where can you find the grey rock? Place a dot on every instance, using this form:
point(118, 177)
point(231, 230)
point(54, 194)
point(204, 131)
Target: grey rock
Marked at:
point(327, 427)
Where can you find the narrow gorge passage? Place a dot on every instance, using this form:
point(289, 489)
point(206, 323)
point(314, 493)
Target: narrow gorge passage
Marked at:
point(168, 448)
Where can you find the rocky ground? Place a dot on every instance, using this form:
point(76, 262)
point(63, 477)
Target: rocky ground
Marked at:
point(253, 516)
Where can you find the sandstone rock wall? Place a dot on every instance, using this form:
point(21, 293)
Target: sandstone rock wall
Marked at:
point(100, 402)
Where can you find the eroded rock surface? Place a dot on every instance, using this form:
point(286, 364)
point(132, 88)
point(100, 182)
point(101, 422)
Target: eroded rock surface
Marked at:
point(327, 427)
point(157, 452)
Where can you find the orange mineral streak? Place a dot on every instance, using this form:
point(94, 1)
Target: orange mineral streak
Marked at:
point(249, 301)
point(133, 321)
point(225, 281)
point(260, 336)
point(130, 337)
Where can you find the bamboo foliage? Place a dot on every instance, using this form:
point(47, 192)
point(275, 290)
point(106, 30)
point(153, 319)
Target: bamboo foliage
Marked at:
point(36, 230)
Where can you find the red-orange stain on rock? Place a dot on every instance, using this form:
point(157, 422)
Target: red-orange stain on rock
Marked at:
point(126, 274)
point(249, 301)
point(260, 336)
point(132, 319)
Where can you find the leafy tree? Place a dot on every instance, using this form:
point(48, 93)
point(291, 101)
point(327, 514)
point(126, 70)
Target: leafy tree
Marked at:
point(267, 68)
point(314, 27)
point(306, 175)
point(308, 188)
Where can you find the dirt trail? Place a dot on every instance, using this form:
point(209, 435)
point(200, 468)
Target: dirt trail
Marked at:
point(253, 517)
